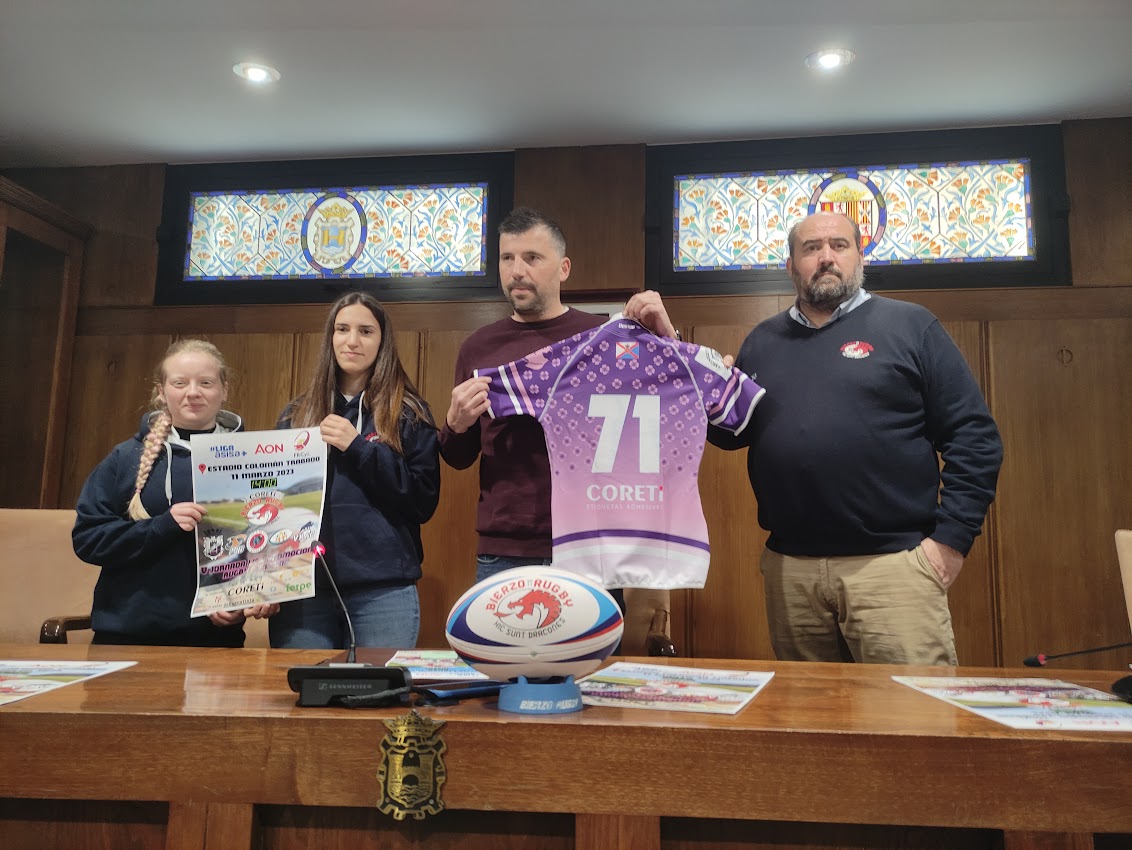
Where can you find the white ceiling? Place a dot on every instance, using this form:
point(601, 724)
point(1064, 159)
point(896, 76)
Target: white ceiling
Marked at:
point(92, 82)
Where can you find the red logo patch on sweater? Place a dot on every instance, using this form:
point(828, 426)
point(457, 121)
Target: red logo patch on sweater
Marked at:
point(856, 350)
point(373, 437)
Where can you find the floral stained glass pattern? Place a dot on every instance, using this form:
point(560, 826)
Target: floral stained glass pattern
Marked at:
point(367, 232)
point(939, 212)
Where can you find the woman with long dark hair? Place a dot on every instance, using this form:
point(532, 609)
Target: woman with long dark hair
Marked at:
point(383, 482)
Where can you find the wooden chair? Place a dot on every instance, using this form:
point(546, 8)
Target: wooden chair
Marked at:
point(1124, 556)
point(42, 577)
point(1123, 687)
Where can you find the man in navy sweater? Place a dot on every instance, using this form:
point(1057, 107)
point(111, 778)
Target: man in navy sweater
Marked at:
point(862, 392)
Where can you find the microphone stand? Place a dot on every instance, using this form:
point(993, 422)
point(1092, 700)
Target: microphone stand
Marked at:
point(352, 649)
point(332, 682)
point(1121, 687)
point(1040, 659)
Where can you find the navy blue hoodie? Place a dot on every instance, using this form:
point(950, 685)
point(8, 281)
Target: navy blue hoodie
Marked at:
point(148, 580)
point(376, 501)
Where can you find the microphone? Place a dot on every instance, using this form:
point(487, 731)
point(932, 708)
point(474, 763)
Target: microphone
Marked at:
point(1040, 659)
point(333, 682)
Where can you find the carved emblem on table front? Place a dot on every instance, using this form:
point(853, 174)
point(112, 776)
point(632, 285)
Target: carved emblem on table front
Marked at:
point(412, 767)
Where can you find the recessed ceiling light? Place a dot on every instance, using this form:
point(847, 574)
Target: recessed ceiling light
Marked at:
point(828, 60)
point(256, 73)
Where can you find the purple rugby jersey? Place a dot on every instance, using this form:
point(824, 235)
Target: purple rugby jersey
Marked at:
point(625, 414)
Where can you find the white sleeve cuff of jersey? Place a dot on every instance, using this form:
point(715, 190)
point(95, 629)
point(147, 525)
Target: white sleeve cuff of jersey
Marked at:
point(490, 412)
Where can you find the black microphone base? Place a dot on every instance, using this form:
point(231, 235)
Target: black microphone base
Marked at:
point(327, 684)
point(1123, 688)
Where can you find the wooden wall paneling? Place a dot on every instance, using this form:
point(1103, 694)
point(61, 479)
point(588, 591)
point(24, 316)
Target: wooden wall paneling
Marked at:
point(409, 352)
point(82, 824)
point(449, 538)
point(306, 828)
point(57, 416)
point(1018, 840)
point(211, 826)
point(48, 261)
point(692, 834)
point(38, 296)
point(1060, 392)
point(597, 196)
point(30, 302)
point(188, 826)
point(274, 318)
point(40, 230)
point(19, 197)
point(727, 619)
point(304, 361)
point(744, 311)
point(261, 373)
point(1098, 179)
point(971, 597)
point(109, 392)
point(617, 832)
point(123, 203)
point(955, 305)
point(228, 825)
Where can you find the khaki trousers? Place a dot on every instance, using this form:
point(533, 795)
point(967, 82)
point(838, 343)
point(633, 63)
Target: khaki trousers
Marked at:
point(880, 609)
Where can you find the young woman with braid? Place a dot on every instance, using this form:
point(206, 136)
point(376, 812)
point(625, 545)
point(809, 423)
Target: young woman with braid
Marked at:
point(136, 515)
point(382, 483)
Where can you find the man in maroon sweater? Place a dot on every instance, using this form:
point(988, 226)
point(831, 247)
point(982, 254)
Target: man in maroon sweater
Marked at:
point(513, 519)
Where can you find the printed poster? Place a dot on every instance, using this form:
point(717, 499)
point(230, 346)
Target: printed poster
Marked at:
point(625, 684)
point(263, 491)
point(23, 679)
point(435, 665)
point(1029, 703)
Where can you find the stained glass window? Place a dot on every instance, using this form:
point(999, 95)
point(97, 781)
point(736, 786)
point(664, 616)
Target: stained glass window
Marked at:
point(432, 230)
point(941, 212)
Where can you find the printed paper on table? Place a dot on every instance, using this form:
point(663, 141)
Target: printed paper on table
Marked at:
point(654, 686)
point(1029, 703)
point(23, 679)
point(435, 665)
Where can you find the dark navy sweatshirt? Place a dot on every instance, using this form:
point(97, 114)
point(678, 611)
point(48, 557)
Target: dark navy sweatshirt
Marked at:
point(376, 501)
point(148, 580)
point(843, 447)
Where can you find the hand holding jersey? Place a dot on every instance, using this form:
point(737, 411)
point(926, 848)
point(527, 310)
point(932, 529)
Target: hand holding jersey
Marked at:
point(647, 308)
point(469, 403)
point(625, 416)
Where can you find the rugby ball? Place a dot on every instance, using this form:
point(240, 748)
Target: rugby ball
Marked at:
point(536, 622)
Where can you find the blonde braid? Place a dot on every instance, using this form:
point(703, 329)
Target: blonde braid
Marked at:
point(154, 442)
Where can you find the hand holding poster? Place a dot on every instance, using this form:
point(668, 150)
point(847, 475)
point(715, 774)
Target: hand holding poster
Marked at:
point(263, 492)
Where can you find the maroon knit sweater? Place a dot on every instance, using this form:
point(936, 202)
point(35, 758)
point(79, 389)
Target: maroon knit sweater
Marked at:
point(514, 507)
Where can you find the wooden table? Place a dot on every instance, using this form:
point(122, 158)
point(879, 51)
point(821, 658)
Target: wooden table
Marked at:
point(206, 749)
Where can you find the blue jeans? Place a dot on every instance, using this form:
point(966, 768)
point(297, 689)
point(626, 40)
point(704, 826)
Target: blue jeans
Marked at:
point(388, 617)
point(489, 565)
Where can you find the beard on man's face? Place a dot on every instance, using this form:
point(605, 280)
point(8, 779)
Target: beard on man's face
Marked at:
point(530, 302)
point(828, 288)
